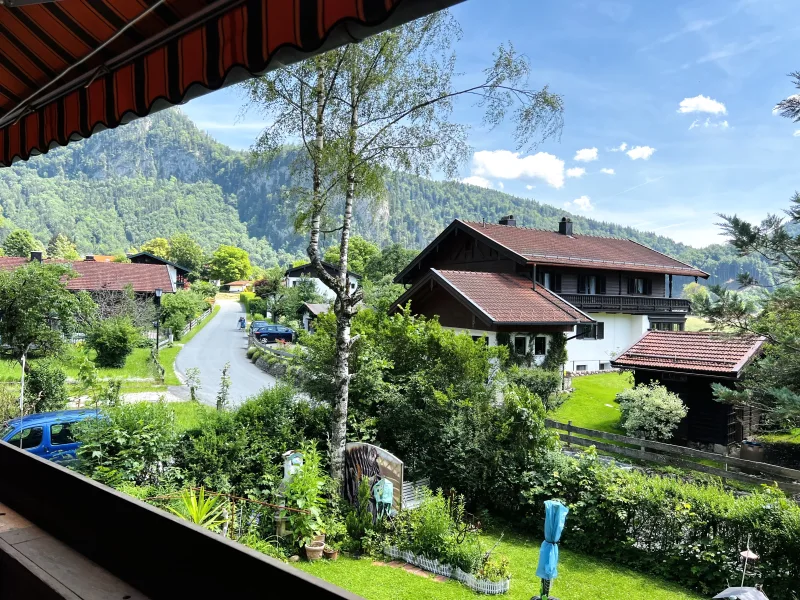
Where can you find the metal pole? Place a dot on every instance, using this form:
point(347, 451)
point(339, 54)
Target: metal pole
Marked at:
point(22, 397)
point(158, 322)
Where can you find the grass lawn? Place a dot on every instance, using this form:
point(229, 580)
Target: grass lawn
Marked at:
point(580, 577)
point(696, 324)
point(790, 437)
point(189, 414)
point(592, 404)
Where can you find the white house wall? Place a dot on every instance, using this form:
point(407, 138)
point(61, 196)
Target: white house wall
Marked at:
point(322, 289)
point(620, 332)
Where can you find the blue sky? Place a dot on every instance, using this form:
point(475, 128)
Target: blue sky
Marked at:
point(668, 108)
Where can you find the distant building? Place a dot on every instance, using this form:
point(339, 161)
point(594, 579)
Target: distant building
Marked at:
point(310, 312)
point(179, 274)
point(687, 363)
point(528, 284)
point(295, 274)
point(236, 286)
point(95, 276)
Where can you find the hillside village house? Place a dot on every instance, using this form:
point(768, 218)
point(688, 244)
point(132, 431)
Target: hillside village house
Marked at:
point(521, 286)
point(295, 274)
point(178, 274)
point(236, 286)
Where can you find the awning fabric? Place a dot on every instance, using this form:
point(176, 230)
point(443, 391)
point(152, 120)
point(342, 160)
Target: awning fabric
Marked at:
point(54, 90)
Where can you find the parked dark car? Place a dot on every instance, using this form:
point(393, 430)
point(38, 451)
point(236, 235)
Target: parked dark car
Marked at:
point(257, 324)
point(48, 435)
point(273, 333)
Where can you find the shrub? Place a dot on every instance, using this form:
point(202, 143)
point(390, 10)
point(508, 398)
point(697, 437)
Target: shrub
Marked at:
point(251, 351)
point(539, 382)
point(134, 440)
point(181, 307)
point(245, 298)
point(685, 532)
point(359, 520)
point(650, 411)
point(495, 568)
point(304, 492)
point(556, 356)
point(258, 317)
point(258, 544)
point(204, 289)
point(44, 386)
point(113, 340)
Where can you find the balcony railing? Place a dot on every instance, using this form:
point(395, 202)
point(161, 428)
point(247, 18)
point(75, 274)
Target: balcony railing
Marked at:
point(627, 304)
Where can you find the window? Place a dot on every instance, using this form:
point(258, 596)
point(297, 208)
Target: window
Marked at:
point(640, 286)
point(479, 338)
point(551, 281)
point(666, 326)
point(539, 345)
point(591, 331)
point(580, 367)
point(591, 284)
point(61, 433)
point(520, 345)
point(603, 366)
point(31, 438)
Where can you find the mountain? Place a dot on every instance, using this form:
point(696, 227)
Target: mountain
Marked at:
point(160, 175)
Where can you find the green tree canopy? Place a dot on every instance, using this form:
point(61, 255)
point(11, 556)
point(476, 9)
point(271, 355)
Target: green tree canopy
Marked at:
point(360, 253)
point(229, 263)
point(37, 309)
point(391, 260)
point(186, 252)
point(60, 246)
point(157, 247)
point(20, 242)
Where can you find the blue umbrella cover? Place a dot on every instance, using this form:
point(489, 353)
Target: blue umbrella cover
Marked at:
point(555, 515)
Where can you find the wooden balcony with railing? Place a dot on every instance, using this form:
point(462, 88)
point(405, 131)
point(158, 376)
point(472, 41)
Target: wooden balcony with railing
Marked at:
point(636, 305)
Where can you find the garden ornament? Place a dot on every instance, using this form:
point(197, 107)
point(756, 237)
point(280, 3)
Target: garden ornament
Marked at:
point(742, 593)
point(383, 492)
point(555, 515)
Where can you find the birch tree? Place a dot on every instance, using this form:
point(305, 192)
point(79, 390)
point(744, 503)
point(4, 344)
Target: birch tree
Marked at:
point(364, 110)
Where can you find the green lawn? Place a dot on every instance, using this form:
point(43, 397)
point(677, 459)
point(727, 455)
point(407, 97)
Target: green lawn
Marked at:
point(790, 437)
point(696, 324)
point(580, 578)
point(189, 414)
point(592, 404)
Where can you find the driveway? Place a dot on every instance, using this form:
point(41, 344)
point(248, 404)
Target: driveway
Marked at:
point(220, 341)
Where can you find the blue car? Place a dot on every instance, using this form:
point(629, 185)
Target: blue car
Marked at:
point(273, 333)
point(48, 435)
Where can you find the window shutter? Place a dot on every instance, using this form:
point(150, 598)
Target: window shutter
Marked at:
point(581, 284)
point(556, 282)
point(601, 330)
point(631, 285)
point(601, 284)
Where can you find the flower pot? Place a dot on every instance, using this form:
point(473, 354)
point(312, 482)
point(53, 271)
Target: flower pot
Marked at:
point(314, 550)
point(330, 554)
point(319, 538)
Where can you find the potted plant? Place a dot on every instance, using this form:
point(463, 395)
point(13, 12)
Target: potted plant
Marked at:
point(331, 552)
point(314, 550)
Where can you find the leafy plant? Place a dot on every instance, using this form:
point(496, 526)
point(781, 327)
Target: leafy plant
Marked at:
point(539, 381)
point(45, 388)
point(223, 394)
point(193, 381)
point(303, 492)
point(205, 511)
point(650, 411)
point(113, 340)
point(258, 544)
point(360, 520)
point(556, 356)
point(495, 568)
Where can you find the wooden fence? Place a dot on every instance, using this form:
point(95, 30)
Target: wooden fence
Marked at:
point(669, 454)
point(195, 322)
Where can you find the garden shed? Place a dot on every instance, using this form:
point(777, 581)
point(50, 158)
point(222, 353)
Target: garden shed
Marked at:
point(688, 363)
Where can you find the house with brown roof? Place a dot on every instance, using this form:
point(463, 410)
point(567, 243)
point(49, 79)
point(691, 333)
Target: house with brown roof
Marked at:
point(603, 293)
point(93, 276)
point(688, 363)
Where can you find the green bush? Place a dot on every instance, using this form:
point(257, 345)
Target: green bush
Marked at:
point(650, 411)
point(135, 441)
point(245, 298)
point(304, 491)
point(359, 520)
point(181, 307)
point(204, 289)
point(113, 340)
point(681, 531)
point(540, 382)
point(258, 317)
point(45, 388)
point(251, 351)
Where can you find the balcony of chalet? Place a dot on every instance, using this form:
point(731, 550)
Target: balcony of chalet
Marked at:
point(629, 304)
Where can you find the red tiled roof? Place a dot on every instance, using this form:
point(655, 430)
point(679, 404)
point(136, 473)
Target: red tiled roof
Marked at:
point(720, 354)
point(552, 248)
point(237, 283)
point(510, 299)
point(95, 276)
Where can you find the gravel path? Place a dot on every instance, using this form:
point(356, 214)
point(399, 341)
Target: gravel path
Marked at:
point(217, 343)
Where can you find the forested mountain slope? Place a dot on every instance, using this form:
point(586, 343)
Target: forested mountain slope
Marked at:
point(161, 175)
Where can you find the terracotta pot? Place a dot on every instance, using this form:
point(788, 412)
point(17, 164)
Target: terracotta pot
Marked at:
point(314, 550)
point(330, 554)
point(319, 538)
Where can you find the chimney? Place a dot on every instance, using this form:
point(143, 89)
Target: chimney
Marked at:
point(510, 221)
point(36, 256)
point(89, 257)
point(565, 226)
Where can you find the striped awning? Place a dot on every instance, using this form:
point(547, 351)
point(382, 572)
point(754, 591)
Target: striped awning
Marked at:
point(72, 67)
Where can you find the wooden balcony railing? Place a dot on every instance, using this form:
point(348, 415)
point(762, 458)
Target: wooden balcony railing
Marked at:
point(627, 304)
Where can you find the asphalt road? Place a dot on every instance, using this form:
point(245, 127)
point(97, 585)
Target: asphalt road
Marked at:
point(220, 341)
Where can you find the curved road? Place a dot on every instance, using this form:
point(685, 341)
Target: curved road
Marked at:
point(217, 343)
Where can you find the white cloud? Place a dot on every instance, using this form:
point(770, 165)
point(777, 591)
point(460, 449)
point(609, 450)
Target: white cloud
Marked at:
point(584, 204)
point(529, 187)
point(621, 148)
point(500, 185)
point(607, 171)
point(708, 123)
point(478, 181)
point(576, 172)
point(796, 133)
point(503, 164)
point(586, 154)
point(643, 152)
point(702, 104)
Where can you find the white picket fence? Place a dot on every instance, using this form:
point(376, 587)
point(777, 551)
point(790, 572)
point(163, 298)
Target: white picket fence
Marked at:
point(482, 586)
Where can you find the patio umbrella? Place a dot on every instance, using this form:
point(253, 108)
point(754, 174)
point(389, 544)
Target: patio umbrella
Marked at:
point(555, 514)
point(742, 593)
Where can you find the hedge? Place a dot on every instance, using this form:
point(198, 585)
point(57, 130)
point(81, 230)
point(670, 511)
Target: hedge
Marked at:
point(688, 532)
point(244, 298)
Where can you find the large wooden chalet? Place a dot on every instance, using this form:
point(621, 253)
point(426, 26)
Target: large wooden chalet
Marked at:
point(603, 293)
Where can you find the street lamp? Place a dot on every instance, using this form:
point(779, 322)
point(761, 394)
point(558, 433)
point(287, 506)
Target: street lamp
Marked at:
point(157, 300)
